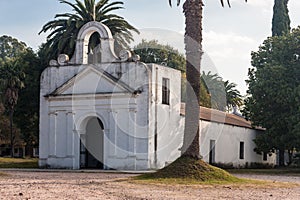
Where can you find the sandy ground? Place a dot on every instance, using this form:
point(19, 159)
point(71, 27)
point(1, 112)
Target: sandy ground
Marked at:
point(91, 185)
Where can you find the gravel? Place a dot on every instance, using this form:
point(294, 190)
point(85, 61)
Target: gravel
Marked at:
point(28, 184)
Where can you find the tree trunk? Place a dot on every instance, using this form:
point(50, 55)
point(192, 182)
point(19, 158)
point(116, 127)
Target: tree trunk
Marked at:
point(290, 157)
point(281, 157)
point(11, 133)
point(193, 47)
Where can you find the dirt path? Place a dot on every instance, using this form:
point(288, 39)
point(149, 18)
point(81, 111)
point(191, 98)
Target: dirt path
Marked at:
point(72, 185)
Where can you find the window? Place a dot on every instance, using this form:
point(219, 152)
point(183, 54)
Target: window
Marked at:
point(265, 156)
point(242, 150)
point(166, 91)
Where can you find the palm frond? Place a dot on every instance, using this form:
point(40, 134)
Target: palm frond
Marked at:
point(64, 28)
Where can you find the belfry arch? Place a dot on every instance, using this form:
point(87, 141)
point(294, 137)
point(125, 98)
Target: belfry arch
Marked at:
point(105, 50)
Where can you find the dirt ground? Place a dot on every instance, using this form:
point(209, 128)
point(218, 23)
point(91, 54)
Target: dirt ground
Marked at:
point(96, 185)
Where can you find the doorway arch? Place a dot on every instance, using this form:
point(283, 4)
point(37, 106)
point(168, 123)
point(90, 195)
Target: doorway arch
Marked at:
point(92, 144)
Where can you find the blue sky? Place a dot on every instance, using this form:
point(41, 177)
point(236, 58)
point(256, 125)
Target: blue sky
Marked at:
point(230, 34)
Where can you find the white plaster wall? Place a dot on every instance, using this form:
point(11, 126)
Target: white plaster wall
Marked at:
point(227, 144)
point(125, 117)
point(166, 120)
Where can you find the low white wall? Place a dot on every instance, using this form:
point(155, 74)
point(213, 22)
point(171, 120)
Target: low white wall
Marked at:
point(227, 144)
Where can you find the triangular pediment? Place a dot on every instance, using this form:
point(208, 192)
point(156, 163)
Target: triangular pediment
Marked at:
point(92, 81)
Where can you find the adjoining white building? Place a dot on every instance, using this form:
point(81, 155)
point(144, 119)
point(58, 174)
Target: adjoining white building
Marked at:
point(227, 140)
point(99, 110)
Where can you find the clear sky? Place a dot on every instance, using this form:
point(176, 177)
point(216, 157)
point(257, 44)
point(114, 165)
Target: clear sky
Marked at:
point(230, 34)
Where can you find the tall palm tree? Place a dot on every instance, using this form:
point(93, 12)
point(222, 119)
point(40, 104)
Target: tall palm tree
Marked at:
point(193, 46)
point(215, 87)
point(11, 81)
point(233, 96)
point(65, 27)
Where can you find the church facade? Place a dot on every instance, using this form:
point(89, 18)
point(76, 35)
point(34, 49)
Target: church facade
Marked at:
point(100, 110)
point(105, 114)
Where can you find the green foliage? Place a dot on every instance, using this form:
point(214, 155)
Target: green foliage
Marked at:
point(205, 96)
point(153, 52)
point(281, 20)
point(233, 96)
point(4, 125)
point(11, 80)
point(223, 94)
point(65, 27)
point(27, 109)
point(274, 97)
point(216, 90)
point(19, 69)
point(10, 48)
point(19, 163)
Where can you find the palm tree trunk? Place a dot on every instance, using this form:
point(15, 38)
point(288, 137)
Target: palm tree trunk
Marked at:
point(11, 133)
point(193, 46)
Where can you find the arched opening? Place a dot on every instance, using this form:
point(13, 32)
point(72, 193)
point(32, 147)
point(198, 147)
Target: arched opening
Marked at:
point(85, 34)
point(94, 49)
point(91, 145)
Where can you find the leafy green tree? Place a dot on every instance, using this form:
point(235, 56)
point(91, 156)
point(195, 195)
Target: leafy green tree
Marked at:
point(4, 125)
point(65, 27)
point(5, 129)
point(274, 98)
point(11, 78)
point(153, 52)
point(281, 20)
point(27, 109)
point(10, 48)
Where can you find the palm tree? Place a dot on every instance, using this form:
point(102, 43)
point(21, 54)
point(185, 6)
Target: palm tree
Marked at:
point(215, 87)
point(65, 27)
point(193, 46)
point(11, 80)
point(233, 96)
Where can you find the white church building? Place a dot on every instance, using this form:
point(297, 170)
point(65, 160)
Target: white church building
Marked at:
point(100, 110)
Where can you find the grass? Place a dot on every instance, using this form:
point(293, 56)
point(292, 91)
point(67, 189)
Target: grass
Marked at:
point(275, 171)
point(18, 162)
point(191, 171)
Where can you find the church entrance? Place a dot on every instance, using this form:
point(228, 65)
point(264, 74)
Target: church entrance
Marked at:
point(91, 145)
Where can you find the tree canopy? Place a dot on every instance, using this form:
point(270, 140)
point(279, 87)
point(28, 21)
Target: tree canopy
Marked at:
point(20, 68)
point(154, 52)
point(10, 48)
point(274, 93)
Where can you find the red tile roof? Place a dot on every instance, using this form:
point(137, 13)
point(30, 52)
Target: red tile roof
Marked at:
point(213, 115)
